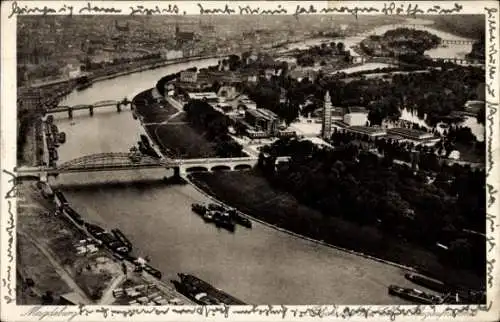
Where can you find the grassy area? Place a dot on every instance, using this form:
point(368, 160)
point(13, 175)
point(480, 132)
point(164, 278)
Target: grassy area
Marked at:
point(181, 117)
point(58, 237)
point(43, 274)
point(95, 273)
point(151, 110)
point(183, 141)
point(252, 194)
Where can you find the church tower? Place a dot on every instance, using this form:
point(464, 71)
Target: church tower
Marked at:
point(326, 128)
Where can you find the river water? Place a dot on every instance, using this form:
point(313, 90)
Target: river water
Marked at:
point(259, 266)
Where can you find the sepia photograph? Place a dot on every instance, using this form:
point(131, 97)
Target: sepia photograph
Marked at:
point(222, 158)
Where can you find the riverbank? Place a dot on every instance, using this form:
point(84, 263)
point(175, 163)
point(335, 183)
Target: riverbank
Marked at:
point(251, 194)
point(66, 258)
point(141, 68)
point(154, 66)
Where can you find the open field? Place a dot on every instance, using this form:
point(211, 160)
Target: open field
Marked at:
point(49, 238)
point(182, 141)
point(44, 275)
point(251, 193)
point(153, 111)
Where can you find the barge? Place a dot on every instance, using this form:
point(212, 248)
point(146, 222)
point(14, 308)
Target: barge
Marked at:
point(429, 283)
point(239, 219)
point(59, 199)
point(234, 215)
point(223, 220)
point(202, 292)
point(72, 214)
point(414, 295)
point(199, 209)
point(94, 230)
point(107, 238)
point(455, 295)
point(121, 237)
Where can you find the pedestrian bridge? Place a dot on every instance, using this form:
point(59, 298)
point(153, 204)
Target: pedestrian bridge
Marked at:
point(125, 161)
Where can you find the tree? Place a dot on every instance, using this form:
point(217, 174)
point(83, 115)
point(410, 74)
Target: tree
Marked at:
point(47, 298)
point(481, 115)
point(347, 56)
point(340, 47)
point(460, 252)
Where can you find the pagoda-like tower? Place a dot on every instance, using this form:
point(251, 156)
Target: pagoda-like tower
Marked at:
point(326, 128)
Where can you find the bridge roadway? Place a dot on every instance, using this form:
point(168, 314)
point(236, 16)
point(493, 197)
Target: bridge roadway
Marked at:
point(122, 161)
point(457, 42)
point(69, 109)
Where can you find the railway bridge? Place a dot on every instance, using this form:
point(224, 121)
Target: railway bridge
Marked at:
point(90, 107)
point(126, 161)
point(460, 61)
point(457, 42)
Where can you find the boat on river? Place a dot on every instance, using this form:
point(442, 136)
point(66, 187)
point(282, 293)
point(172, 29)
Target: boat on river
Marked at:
point(107, 238)
point(72, 214)
point(205, 213)
point(427, 282)
point(202, 292)
point(233, 214)
point(199, 209)
point(121, 237)
point(414, 295)
point(239, 219)
point(454, 295)
point(222, 219)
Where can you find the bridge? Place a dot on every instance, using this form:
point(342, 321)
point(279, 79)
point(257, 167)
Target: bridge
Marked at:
point(69, 109)
point(457, 42)
point(124, 161)
point(460, 61)
point(395, 61)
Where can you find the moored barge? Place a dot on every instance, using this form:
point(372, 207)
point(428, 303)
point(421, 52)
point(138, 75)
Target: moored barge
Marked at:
point(429, 283)
point(414, 295)
point(121, 237)
point(202, 292)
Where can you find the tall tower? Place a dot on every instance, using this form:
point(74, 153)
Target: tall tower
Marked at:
point(326, 128)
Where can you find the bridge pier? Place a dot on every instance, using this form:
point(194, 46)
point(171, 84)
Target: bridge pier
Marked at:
point(70, 112)
point(118, 107)
point(44, 177)
point(91, 111)
point(179, 172)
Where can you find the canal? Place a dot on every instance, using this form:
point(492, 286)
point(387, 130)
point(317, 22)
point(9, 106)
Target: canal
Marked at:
point(259, 266)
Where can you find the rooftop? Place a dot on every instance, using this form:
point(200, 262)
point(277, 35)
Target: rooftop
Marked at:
point(357, 109)
point(372, 131)
point(410, 133)
point(262, 113)
point(207, 95)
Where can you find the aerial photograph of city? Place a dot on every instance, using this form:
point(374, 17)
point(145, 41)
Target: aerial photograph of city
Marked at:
point(250, 159)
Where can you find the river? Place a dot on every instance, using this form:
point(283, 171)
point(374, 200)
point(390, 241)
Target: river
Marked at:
point(259, 266)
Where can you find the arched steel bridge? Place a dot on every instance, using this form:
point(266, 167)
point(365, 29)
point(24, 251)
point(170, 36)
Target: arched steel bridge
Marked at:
point(124, 161)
